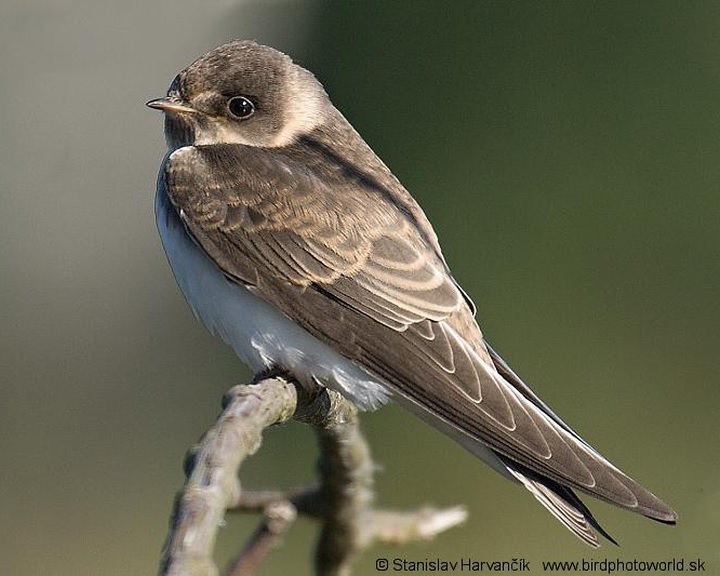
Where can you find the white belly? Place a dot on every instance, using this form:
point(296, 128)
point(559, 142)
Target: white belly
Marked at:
point(259, 334)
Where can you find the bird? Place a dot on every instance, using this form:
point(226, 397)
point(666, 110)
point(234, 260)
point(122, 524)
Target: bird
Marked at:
point(295, 244)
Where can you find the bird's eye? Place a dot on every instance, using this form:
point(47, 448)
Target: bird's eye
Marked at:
point(241, 107)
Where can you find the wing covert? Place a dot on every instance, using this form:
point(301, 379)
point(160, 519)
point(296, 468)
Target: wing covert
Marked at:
point(275, 213)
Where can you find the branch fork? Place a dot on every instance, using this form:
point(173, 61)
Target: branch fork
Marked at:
point(342, 500)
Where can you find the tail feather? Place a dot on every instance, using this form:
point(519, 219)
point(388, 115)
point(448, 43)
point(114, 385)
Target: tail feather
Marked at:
point(562, 503)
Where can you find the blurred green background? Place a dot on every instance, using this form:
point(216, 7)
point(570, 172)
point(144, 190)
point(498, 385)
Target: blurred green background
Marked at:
point(567, 154)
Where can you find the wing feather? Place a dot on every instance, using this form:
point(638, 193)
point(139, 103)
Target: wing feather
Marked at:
point(380, 293)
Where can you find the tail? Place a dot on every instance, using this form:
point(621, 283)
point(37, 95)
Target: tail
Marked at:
point(562, 503)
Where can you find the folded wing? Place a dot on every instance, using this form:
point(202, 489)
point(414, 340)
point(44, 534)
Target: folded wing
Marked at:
point(354, 269)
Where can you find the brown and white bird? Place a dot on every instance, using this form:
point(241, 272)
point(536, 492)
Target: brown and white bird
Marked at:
point(294, 243)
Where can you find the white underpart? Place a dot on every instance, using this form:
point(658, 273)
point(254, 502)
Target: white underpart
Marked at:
point(259, 334)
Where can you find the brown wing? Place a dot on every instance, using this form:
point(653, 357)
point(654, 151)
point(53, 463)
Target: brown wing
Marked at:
point(290, 224)
point(333, 253)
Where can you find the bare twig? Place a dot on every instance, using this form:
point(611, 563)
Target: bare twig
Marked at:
point(346, 479)
point(342, 500)
point(212, 485)
point(276, 519)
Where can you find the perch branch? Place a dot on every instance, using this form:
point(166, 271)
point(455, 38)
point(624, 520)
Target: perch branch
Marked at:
point(212, 484)
point(346, 478)
point(342, 500)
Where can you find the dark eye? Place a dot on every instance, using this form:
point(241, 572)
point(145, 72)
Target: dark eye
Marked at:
point(241, 107)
